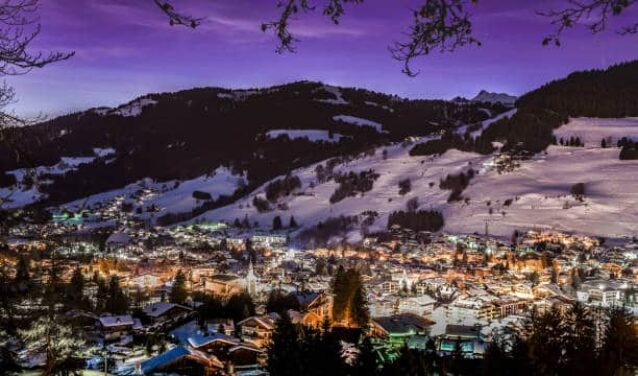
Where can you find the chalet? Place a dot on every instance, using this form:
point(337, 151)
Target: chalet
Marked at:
point(215, 343)
point(258, 329)
point(318, 303)
point(182, 361)
point(115, 327)
point(245, 355)
point(163, 312)
point(305, 318)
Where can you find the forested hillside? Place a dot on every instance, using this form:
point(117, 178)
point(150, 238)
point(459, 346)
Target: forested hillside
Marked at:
point(262, 133)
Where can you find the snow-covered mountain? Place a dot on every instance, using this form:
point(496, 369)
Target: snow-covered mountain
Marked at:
point(486, 97)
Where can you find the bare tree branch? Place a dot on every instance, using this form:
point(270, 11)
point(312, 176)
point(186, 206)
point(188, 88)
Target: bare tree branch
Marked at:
point(592, 14)
point(438, 25)
point(19, 26)
point(177, 18)
point(333, 9)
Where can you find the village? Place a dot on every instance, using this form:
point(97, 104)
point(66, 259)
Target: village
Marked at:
point(209, 296)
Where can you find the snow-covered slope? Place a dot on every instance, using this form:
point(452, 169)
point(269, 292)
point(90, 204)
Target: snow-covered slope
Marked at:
point(26, 190)
point(311, 204)
point(167, 197)
point(537, 194)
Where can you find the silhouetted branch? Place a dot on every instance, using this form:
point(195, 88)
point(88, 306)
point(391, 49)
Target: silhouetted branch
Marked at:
point(334, 9)
point(18, 28)
point(438, 25)
point(175, 17)
point(592, 14)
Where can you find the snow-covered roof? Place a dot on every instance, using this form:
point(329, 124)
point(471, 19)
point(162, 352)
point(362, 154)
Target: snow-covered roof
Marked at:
point(118, 238)
point(112, 321)
point(200, 340)
point(175, 354)
point(160, 308)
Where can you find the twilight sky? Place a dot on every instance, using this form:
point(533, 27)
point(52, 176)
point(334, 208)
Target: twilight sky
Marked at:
point(125, 48)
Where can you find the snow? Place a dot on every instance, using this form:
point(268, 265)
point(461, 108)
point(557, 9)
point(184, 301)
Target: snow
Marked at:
point(338, 100)
point(313, 205)
point(221, 182)
point(592, 130)
point(313, 135)
point(103, 152)
point(539, 190)
point(375, 104)
point(17, 197)
point(133, 108)
point(358, 122)
point(487, 123)
point(173, 196)
point(20, 194)
point(502, 98)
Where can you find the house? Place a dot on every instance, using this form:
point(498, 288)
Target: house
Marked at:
point(397, 329)
point(182, 361)
point(258, 329)
point(245, 355)
point(305, 318)
point(116, 327)
point(164, 312)
point(215, 343)
point(419, 305)
point(467, 338)
point(223, 284)
point(318, 303)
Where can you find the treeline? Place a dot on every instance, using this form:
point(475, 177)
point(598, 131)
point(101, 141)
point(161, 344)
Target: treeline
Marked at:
point(351, 184)
point(282, 187)
point(452, 140)
point(322, 232)
point(422, 220)
point(456, 183)
point(573, 341)
point(629, 149)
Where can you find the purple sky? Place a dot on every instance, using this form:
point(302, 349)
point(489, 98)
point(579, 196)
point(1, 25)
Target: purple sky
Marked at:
point(125, 48)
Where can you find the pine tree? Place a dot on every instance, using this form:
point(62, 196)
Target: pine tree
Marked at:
point(116, 301)
point(339, 291)
point(367, 362)
point(75, 289)
point(359, 305)
point(619, 352)
point(178, 293)
point(63, 348)
point(22, 276)
point(293, 223)
point(284, 353)
point(276, 223)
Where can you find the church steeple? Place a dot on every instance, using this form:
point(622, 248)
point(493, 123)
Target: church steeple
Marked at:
point(251, 280)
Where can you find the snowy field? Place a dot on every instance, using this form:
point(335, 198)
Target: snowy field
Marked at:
point(359, 122)
point(539, 190)
point(22, 194)
point(592, 131)
point(311, 204)
point(171, 196)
